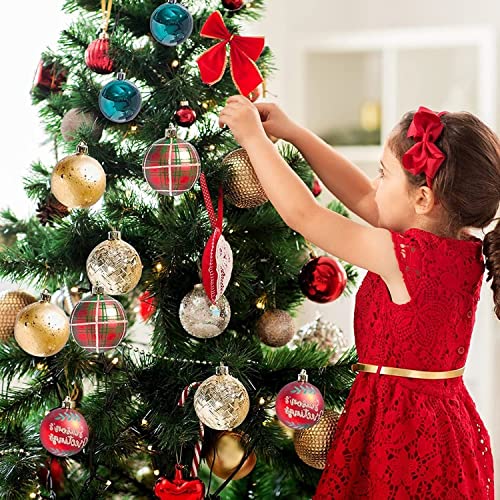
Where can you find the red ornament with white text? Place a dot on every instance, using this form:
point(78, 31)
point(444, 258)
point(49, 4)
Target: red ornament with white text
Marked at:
point(299, 404)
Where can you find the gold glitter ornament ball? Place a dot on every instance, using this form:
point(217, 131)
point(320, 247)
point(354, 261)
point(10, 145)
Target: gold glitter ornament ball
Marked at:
point(275, 328)
point(226, 454)
point(313, 444)
point(11, 302)
point(42, 329)
point(221, 401)
point(202, 319)
point(242, 188)
point(115, 265)
point(78, 181)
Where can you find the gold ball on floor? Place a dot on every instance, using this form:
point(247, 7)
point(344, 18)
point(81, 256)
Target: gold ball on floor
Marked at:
point(11, 302)
point(313, 444)
point(226, 454)
point(242, 188)
point(275, 328)
point(41, 329)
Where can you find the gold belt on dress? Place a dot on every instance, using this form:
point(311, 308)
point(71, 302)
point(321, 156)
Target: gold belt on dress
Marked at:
point(403, 372)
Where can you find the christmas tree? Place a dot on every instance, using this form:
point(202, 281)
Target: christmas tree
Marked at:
point(131, 107)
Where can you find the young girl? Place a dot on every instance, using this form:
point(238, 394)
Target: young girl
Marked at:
point(409, 429)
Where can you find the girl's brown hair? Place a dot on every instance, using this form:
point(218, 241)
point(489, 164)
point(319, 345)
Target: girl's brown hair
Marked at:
point(467, 183)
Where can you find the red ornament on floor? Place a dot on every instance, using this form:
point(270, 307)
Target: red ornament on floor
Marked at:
point(185, 116)
point(97, 56)
point(179, 488)
point(322, 279)
point(299, 405)
point(233, 4)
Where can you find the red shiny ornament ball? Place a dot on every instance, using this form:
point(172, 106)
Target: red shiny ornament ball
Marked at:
point(299, 405)
point(98, 323)
point(185, 116)
point(179, 488)
point(147, 305)
point(233, 4)
point(49, 77)
point(64, 432)
point(316, 189)
point(322, 279)
point(97, 56)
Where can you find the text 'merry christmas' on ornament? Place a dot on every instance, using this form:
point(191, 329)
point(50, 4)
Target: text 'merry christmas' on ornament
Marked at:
point(171, 23)
point(11, 302)
point(299, 405)
point(242, 187)
point(120, 100)
point(323, 279)
point(98, 323)
point(115, 265)
point(42, 329)
point(171, 166)
point(78, 180)
point(243, 53)
point(217, 259)
point(313, 444)
point(64, 431)
point(202, 319)
point(221, 401)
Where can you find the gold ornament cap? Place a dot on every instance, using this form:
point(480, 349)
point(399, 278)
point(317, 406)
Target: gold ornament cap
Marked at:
point(303, 377)
point(82, 148)
point(68, 403)
point(114, 235)
point(222, 370)
point(45, 296)
point(184, 103)
point(171, 131)
point(97, 289)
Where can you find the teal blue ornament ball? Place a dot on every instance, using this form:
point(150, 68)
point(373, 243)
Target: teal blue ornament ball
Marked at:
point(120, 100)
point(171, 24)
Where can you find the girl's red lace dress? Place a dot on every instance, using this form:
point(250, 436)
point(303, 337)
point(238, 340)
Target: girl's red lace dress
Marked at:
point(401, 438)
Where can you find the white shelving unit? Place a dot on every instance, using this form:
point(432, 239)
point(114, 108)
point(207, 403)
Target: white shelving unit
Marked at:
point(329, 77)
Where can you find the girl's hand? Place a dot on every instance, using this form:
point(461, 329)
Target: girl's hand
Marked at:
point(242, 117)
point(276, 122)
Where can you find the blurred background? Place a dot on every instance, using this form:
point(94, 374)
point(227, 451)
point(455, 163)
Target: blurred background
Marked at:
point(348, 71)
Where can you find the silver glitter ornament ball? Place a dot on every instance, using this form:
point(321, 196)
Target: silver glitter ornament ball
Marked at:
point(324, 333)
point(115, 265)
point(202, 319)
point(221, 402)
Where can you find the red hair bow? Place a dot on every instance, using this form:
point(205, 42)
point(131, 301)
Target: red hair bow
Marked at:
point(424, 155)
point(243, 52)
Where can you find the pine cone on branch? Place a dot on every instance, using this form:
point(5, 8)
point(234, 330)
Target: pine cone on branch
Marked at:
point(50, 210)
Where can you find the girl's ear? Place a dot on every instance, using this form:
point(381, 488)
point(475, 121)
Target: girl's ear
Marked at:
point(425, 200)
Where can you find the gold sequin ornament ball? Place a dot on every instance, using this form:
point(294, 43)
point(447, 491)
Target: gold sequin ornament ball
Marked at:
point(78, 181)
point(221, 402)
point(42, 329)
point(275, 328)
point(226, 454)
point(242, 187)
point(115, 265)
point(11, 302)
point(313, 444)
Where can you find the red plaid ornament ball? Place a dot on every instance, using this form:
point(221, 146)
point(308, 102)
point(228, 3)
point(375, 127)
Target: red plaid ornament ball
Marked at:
point(171, 166)
point(98, 323)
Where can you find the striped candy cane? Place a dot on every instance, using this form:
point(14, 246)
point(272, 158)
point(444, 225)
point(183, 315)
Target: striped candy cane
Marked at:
point(198, 446)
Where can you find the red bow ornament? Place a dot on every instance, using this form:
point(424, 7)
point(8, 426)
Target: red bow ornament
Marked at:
point(424, 155)
point(243, 52)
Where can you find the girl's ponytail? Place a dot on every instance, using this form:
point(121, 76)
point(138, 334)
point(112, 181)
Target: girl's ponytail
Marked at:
point(491, 250)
